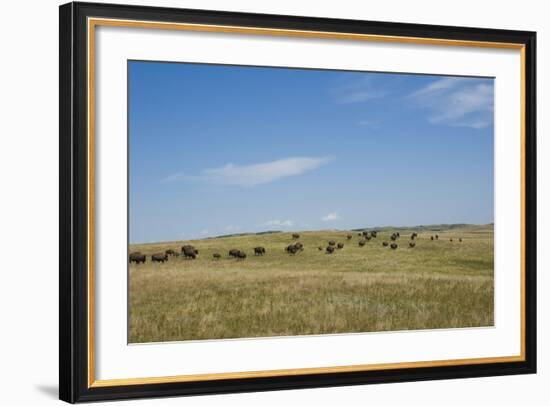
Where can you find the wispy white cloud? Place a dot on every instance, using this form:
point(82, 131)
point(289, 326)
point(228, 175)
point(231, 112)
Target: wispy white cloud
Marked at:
point(278, 223)
point(358, 91)
point(331, 217)
point(255, 174)
point(457, 102)
point(231, 228)
point(204, 232)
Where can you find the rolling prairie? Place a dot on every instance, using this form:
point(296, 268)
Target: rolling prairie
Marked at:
point(436, 284)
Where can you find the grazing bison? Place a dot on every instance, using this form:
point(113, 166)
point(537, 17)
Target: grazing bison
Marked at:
point(295, 236)
point(412, 244)
point(259, 251)
point(365, 233)
point(374, 234)
point(330, 249)
point(170, 252)
point(340, 245)
point(292, 249)
point(437, 237)
point(320, 248)
point(393, 246)
point(362, 243)
point(450, 239)
point(460, 240)
point(348, 236)
point(300, 246)
point(368, 237)
point(137, 257)
point(159, 257)
point(188, 251)
point(332, 243)
point(359, 234)
point(414, 235)
point(385, 243)
point(241, 255)
point(432, 238)
point(216, 255)
point(397, 234)
point(393, 237)
point(233, 252)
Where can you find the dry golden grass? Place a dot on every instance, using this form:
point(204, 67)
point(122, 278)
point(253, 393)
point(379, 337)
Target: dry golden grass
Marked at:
point(437, 284)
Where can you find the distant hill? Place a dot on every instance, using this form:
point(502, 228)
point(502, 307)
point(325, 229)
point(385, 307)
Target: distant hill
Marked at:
point(431, 227)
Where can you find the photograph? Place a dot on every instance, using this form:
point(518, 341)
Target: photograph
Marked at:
point(288, 201)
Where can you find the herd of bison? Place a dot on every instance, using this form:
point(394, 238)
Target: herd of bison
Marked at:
point(190, 252)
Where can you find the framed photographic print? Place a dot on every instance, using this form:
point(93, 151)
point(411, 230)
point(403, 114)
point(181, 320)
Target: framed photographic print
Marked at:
point(258, 202)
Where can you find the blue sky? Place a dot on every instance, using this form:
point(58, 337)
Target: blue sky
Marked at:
point(219, 149)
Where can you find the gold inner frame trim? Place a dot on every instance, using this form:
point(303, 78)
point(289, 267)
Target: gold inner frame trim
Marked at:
point(94, 22)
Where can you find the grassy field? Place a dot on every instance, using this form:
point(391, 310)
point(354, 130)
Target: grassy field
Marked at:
point(437, 284)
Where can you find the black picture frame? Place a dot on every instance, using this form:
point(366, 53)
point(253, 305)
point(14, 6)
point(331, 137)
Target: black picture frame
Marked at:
point(73, 255)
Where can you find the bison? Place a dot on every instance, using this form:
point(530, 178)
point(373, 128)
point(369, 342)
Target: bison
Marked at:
point(368, 237)
point(216, 255)
point(362, 243)
point(437, 237)
point(450, 239)
point(292, 249)
point(432, 238)
point(170, 252)
point(137, 257)
point(330, 249)
point(393, 246)
point(385, 243)
point(365, 233)
point(332, 243)
point(340, 245)
point(259, 251)
point(374, 233)
point(159, 257)
point(241, 255)
point(188, 251)
point(320, 248)
point(295, 236)
point(393, 237)
point(348, 236)
point(460, 240)
point(233, 252)
point(412, 244)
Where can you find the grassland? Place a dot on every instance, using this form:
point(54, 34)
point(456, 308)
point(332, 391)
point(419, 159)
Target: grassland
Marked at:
point(437, 284)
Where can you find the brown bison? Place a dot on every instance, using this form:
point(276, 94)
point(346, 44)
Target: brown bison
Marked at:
point(330, 249)
point(450, 239)
point(320, 248)
point(216, 255)
point(393, 237)
point(259, 251)
point(340, 245)
point(385, 243)
point(368, 237)
point(362, 243)
point(295, 236)
point(159, 257)
point(170, 252)
point(374, 234)
point(241, 255)
point(292, 249)
point(460, 240)
point(348, 236)
point(188, 251)
point(412, 244)
point(233, 252)
point(437, 237)
point(365, 233)
point(432, 238)
point(393, 246)
point(137, 257)
point(332, 243)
